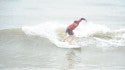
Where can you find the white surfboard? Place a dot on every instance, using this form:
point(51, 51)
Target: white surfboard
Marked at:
point(66, 45)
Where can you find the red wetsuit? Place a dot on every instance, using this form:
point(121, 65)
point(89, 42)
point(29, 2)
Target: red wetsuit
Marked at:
point(73, 26)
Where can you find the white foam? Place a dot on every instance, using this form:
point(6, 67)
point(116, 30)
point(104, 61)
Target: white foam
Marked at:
point(48, 30)
point(89, 28)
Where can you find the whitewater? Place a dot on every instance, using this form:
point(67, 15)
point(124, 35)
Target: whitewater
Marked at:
point(31, 31)
point(34, 48)
point(87, 34)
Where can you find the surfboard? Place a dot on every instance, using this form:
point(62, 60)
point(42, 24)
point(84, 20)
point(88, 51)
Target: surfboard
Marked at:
point(66, 45)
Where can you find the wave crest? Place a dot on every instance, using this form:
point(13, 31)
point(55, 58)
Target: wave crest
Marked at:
point(88, 34)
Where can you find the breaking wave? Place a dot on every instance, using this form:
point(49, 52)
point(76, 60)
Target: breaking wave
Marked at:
point(88, 34)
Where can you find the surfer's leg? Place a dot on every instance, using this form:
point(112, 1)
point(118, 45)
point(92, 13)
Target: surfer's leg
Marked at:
point(67, 35)
point(72, 38)
point(65, 38)
point(68, 38)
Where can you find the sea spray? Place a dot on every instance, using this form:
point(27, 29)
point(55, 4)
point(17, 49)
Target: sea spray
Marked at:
point(88, 34)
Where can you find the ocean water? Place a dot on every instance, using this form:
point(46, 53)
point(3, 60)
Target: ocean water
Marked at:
point(31, 29)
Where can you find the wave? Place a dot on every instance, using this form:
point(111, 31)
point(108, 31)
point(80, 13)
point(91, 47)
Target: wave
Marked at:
point(88, 34)
point(15, 39)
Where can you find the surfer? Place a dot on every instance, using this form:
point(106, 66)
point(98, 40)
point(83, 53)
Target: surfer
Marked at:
point(70, 29)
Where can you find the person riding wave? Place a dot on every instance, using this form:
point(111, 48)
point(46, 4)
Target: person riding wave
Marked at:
point(70, 29)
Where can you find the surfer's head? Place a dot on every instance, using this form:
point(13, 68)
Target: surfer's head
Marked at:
point(83, 19)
